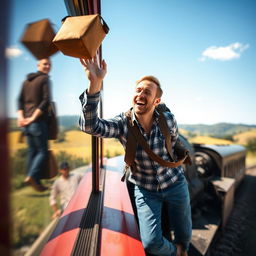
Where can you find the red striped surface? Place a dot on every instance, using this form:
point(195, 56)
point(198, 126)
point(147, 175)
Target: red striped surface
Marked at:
point(63, 237)
point(119, 235)
point(119, 229)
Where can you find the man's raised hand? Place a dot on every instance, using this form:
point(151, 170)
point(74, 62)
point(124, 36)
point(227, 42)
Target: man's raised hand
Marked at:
point(95, 73)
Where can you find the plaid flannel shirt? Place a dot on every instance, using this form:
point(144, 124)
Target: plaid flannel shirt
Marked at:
point(149, 174)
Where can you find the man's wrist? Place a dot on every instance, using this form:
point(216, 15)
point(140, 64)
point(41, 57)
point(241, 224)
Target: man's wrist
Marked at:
point(94, 87)
point(92, 94)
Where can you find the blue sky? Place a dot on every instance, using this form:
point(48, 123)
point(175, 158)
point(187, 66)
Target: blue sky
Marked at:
point(202, 51)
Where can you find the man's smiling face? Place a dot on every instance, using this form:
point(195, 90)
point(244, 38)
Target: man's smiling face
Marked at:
point(145, 97)
point(44, 65)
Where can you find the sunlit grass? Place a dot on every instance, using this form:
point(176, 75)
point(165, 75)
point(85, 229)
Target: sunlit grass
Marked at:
point(76, 143)
point(30, 213)
point(251, 159)
point(209, 140)
point(244, 137)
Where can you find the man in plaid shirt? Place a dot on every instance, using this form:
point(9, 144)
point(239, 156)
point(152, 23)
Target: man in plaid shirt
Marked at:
point(154, 184)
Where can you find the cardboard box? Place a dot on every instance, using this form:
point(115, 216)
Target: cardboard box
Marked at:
point(37, 38)
point(81, 36)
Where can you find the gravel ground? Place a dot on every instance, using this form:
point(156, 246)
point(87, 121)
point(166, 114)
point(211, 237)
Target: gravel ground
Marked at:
point(239, 238)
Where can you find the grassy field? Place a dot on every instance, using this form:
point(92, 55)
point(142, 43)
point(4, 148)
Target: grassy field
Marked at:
point(251, 159)
point(209, 140)
point(244, 137)
point(31, 214)
point(76, 143)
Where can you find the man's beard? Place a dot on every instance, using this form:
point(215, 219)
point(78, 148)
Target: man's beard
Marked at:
point(143, 109)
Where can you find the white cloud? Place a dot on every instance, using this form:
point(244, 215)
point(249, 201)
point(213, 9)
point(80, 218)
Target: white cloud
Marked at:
point(199, 99)
point(224, 53)
point(12, 52)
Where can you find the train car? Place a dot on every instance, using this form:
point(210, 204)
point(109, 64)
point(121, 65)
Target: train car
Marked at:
point(230, 160)
point(213, 177)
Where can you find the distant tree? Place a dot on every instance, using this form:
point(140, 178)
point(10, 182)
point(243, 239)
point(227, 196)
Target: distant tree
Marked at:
point(71, 128)
point(107, 153)
point(191, 135)
point(61, 137)
point(224, 137)
point(117, 153)
point(73, 161)
point(228, 137)
point(251, 145)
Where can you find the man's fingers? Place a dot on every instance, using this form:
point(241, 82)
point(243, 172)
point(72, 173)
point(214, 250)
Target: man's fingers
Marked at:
point(83, 61)
point(93, 64)
point(86, 63)
point(104, 65)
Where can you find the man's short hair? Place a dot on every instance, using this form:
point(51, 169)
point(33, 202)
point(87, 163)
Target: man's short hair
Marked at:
point(154, 80)
point(64, 165)
point(47, 58)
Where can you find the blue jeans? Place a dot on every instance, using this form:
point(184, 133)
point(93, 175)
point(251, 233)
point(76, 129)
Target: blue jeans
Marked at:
point(37, 139)
point(149, 207)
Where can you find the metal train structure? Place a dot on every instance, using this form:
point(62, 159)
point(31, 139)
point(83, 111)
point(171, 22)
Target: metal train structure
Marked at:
point(104, 223)
point(100, 218)
point(215, 173)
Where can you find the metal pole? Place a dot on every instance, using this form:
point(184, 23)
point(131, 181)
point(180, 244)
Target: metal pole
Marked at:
point(94, 7)
point(101, 100)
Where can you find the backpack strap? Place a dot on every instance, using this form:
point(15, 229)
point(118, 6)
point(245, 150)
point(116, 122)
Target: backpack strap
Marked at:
point(179, 149)
point(135, 136)
point(131, 143)
point(143, 143)
point(166, 132)
point(130, 151)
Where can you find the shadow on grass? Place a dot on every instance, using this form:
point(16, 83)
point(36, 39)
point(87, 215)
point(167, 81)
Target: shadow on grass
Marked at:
point(38, 195)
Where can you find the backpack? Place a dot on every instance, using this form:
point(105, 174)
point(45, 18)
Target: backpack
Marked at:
point(135, 137)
